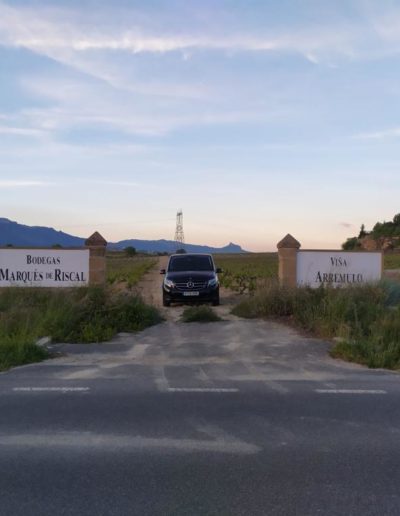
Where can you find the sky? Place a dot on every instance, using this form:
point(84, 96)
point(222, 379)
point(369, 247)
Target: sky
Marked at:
point(257, 118)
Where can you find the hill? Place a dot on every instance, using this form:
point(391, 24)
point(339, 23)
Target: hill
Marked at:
point(20, 235)
point(384, 235)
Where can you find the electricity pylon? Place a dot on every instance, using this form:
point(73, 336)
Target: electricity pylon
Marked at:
point(179, 235)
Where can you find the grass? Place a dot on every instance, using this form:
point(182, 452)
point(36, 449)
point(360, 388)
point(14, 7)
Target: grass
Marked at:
point(121, 268)
point(15, 352)
point(74, 315)
point(365, 319)
point(202, 313)
point(392, 261)
point(244, 272)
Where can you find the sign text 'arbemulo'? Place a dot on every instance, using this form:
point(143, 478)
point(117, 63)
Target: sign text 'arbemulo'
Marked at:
point(338, 268)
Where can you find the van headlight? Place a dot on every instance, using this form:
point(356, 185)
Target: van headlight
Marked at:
point(213, 282)
point(169, 283)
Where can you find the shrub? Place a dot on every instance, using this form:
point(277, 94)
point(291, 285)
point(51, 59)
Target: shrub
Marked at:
point(201, 313)
point(366, 318)
point(351, 244)
point(75, 315)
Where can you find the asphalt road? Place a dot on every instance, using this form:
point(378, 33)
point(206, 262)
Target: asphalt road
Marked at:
point(230, 418)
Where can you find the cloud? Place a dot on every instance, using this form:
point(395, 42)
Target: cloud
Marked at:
point(76, 103)
point(20, 131)
point(61, 34)
point(128, 184)
point(379, 135)
point(347, 225)
point(21, 184)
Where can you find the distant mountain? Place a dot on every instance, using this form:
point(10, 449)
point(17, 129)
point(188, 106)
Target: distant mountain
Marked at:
point(19, 235)
point(34, 236)
point(170, 246)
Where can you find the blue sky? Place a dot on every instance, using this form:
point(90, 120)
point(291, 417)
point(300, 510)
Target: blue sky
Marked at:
point(257, 118)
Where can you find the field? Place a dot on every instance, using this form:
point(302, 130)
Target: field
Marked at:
point(129, 270)
point(392, 261)
point(243, 273)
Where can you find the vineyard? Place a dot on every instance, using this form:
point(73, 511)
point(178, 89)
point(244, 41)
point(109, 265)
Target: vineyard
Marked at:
point(392, 261)
point(128, 269)
point(243, 273)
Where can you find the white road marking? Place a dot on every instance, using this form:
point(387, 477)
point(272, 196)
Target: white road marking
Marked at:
point(51, 389)
point(200, 389)
point(350, 391)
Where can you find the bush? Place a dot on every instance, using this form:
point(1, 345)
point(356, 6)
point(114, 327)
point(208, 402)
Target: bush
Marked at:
point(75, 315)
point(201, 313)
point(351, 244)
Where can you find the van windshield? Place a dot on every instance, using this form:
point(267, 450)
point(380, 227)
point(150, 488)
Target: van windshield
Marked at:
point(190, 263)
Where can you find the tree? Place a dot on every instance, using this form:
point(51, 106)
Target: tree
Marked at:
point(130, 251)
point(350, 244)
point(362, 233)
point(396, 220)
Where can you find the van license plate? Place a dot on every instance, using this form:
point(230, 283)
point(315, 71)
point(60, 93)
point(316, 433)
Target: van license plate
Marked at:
point(191, 293)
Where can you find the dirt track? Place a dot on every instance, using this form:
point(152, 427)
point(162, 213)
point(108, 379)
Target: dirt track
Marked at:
point(150, 289)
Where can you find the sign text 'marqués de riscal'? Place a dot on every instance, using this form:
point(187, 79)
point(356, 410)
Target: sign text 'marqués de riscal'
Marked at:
point(337, 268)
point(44, 267)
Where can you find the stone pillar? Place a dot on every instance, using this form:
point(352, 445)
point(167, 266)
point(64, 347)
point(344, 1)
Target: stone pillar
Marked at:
point(97, 262)
point(287, 252)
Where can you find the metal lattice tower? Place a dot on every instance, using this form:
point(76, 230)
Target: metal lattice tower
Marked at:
point(179, 235)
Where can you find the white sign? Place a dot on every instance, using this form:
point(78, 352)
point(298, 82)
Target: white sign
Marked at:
point(44, 267)
point(337, 268)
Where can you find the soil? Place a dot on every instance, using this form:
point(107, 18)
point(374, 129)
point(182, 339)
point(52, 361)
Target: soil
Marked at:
point(150, 290)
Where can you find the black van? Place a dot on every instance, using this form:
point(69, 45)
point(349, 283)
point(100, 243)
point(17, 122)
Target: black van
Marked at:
point(190, 277)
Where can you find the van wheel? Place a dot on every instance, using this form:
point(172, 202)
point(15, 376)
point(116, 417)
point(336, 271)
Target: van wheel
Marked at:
point(165, 301)
point(215, 301)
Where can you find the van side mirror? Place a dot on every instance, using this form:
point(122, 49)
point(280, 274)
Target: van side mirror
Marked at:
point(218, 270)
point(163, 271)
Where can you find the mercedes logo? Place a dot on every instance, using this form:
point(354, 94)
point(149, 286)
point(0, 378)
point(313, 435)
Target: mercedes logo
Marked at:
point(190, 284)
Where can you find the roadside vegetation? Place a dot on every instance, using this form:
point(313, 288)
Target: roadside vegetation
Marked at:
point(75, 315)
point(243, 273)
point(202, 313)
point(364, 321)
